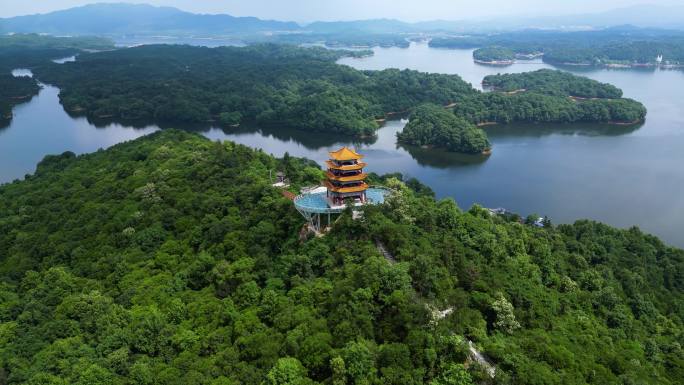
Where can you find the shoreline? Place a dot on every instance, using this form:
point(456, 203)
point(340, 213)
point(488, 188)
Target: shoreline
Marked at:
point(20, 97)
point(610, 122)
point(498, 63)
point(633, 122)
point(618, 65)
point(485, 152)
point(503, 63)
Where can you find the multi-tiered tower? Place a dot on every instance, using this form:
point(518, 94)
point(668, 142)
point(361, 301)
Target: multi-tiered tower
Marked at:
point(345, 178)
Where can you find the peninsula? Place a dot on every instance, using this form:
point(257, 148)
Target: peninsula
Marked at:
point(173, 257)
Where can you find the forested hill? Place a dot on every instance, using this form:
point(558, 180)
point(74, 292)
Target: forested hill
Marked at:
point(171, 260)
point(30, 50)
point(434, 126)
point(267, 84)
point(549, 96)
point(494, 55)
point(14, 90)
point(550, 82)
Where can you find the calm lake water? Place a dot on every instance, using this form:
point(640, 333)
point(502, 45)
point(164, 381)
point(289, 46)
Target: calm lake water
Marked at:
point(623, 176)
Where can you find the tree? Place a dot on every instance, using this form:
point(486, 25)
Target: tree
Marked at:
point(96, 375)
point(360, 362)
point(453, 374)
point(505, 319)
point(432, 125)
point(287, 371)
point(339, 371)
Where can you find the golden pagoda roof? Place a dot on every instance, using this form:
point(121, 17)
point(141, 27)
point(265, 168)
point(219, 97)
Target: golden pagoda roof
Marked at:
point(345, 153)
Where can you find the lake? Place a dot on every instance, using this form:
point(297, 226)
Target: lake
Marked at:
point(622, 176)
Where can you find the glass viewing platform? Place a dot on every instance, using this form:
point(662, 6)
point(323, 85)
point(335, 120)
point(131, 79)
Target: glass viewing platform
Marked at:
point(316, 201)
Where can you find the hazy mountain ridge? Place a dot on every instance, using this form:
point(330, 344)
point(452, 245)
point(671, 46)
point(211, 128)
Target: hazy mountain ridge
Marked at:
point(136, 18)
point(638, 15)
point(107, 18)
point(141, 19)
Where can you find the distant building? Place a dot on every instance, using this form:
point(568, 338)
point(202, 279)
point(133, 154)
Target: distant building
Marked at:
point(539, 222)
point(659, 59)
point(498, 211)
point(281, 180)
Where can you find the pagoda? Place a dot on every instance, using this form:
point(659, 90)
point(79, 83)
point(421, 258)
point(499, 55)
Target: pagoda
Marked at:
point(345, 178)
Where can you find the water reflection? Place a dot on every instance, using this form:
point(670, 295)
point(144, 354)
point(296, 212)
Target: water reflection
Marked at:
point(6, 120)
point(106, 122)
point(442, 159)
point(538, 130)
point(310, 140)
point(386, 137)
point(41, 127)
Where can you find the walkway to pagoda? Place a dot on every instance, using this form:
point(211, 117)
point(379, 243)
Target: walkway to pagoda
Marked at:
point(438, 315)
point(385, 253)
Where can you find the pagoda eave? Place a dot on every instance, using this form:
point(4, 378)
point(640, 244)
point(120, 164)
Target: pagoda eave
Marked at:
point(349, 167)
point(347, 178)
point(353, 189)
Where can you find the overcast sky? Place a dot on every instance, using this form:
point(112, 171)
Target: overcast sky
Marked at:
point(309, 10)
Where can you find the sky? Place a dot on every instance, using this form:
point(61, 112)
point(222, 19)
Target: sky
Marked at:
point(311, 10)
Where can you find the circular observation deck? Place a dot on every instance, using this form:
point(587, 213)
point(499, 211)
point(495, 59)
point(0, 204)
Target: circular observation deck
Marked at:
point(316, 201)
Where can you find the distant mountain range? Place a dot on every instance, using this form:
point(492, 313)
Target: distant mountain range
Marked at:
point(140, 19)
point(105, 19)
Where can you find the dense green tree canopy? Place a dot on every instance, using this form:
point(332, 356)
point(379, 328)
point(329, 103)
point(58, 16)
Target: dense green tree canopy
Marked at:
point(550, 82)
point(30, 50)
point(549, 96)
point(538, 96)
point(280, 85)
point(268, 84)
point(494, 54)
point(27, 51)
point(433, 126)
point(38, 41)
point(171, 260)
point(536, 107)
point(14, 90)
